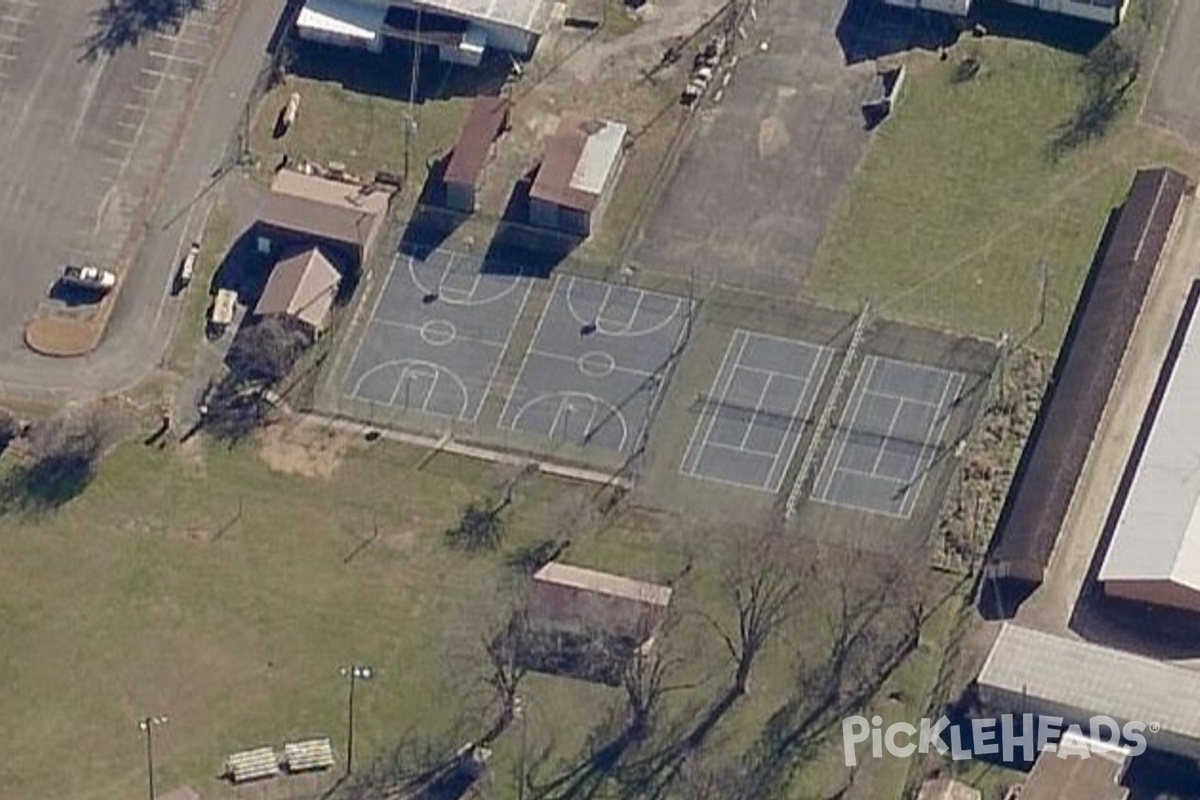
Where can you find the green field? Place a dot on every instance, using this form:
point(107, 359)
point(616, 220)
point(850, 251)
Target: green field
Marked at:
point(201, 583)
point(962, 200)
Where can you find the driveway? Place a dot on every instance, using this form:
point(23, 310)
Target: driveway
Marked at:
point(1174, 100)
point(89, 127)
point(765, 168)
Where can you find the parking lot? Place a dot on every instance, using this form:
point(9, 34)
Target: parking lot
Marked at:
point(87, 120)
point(765, 168)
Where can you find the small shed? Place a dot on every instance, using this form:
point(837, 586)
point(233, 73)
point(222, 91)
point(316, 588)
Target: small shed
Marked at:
point(577, 601)
point(588, 14)
point(487, 119)
point(303, 288)
point(577, 173)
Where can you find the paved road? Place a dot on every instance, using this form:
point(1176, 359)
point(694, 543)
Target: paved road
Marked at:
point(1174, 101)
point(87, 140)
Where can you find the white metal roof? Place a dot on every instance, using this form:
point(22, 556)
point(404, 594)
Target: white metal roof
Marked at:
point(603, 583)
point(599, 157)
point(343, 18)
point(1046, 673)
point(525, 15)
point(1157, 536)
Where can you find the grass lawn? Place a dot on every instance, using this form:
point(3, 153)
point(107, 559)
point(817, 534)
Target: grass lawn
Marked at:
point(960, 201)
point(353, 109)
point(202, 584)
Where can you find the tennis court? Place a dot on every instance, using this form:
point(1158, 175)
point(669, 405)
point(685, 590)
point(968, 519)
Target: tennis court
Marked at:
point(889, 436)
point(752, 420)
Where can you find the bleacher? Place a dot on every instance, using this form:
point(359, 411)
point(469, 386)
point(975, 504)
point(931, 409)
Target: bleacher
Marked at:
point(251, 765)
point(312, 754)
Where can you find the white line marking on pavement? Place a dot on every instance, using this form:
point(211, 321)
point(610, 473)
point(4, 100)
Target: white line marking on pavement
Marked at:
point(174, 57)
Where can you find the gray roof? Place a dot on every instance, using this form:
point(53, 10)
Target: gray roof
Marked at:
point(1041, 673)
point(1157, 535)
point(525, 15)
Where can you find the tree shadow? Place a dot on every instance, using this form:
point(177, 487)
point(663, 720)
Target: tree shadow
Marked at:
point(124, 23)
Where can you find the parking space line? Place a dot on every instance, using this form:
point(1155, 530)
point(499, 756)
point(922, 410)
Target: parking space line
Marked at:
point(8, 57)
point(175, 57)
point(175, 38)
point(8, 37)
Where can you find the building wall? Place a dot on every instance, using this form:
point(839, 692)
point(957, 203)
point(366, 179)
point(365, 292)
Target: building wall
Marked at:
point(461, 197)
point(326, 37)
point(957, 7)
point(1158, 593)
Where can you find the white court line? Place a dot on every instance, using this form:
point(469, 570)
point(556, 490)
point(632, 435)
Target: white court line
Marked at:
point(575, 360)
point(412, 326)
point(712, 413)
point(863, 380)
point(824, 358)
point(887, 436)
point(750, 451)
point(367, 328)
point(487, 390)
point(525, 360)
point(903, 398)
point(757, 410)
point(914, 490)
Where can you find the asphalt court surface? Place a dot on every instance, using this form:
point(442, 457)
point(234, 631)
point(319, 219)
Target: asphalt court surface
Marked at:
point(437, 335)
point(597, 364)
point(752, 420)
point(888, 437)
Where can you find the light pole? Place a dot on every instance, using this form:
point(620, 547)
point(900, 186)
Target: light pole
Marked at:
point(355, 673)
point(519, 712)
point(148, 724)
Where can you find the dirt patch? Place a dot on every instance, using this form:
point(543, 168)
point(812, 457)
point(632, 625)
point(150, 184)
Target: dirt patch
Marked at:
point(65, 337)
point(296, 447)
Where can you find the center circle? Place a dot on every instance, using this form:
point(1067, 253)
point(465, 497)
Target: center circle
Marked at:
point(438, 332)
point(596, 364)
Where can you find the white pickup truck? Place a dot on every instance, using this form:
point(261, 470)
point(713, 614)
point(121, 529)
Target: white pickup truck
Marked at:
point(89, 277)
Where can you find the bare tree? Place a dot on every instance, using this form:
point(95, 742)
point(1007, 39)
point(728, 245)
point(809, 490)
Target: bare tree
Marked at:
point(763, 586)
point(266, 351)
point(62, 452)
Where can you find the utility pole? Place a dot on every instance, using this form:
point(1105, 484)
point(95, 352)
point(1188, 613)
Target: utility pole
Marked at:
point(148, 724)
point(410, 121)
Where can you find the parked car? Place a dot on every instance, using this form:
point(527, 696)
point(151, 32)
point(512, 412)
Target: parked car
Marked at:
point(89, 277)
point(187, 267)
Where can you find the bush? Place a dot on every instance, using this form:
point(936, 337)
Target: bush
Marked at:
point(267, 350)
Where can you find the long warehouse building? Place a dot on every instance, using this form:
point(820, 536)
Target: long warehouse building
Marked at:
point(1154, 555)
point(1083, 377)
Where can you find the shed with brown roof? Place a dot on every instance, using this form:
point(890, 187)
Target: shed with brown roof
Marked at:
point(307, 210)
point(1071, 410)
point(580, 601)
point(485, 122)
point(303, 288)
point(577, 172)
